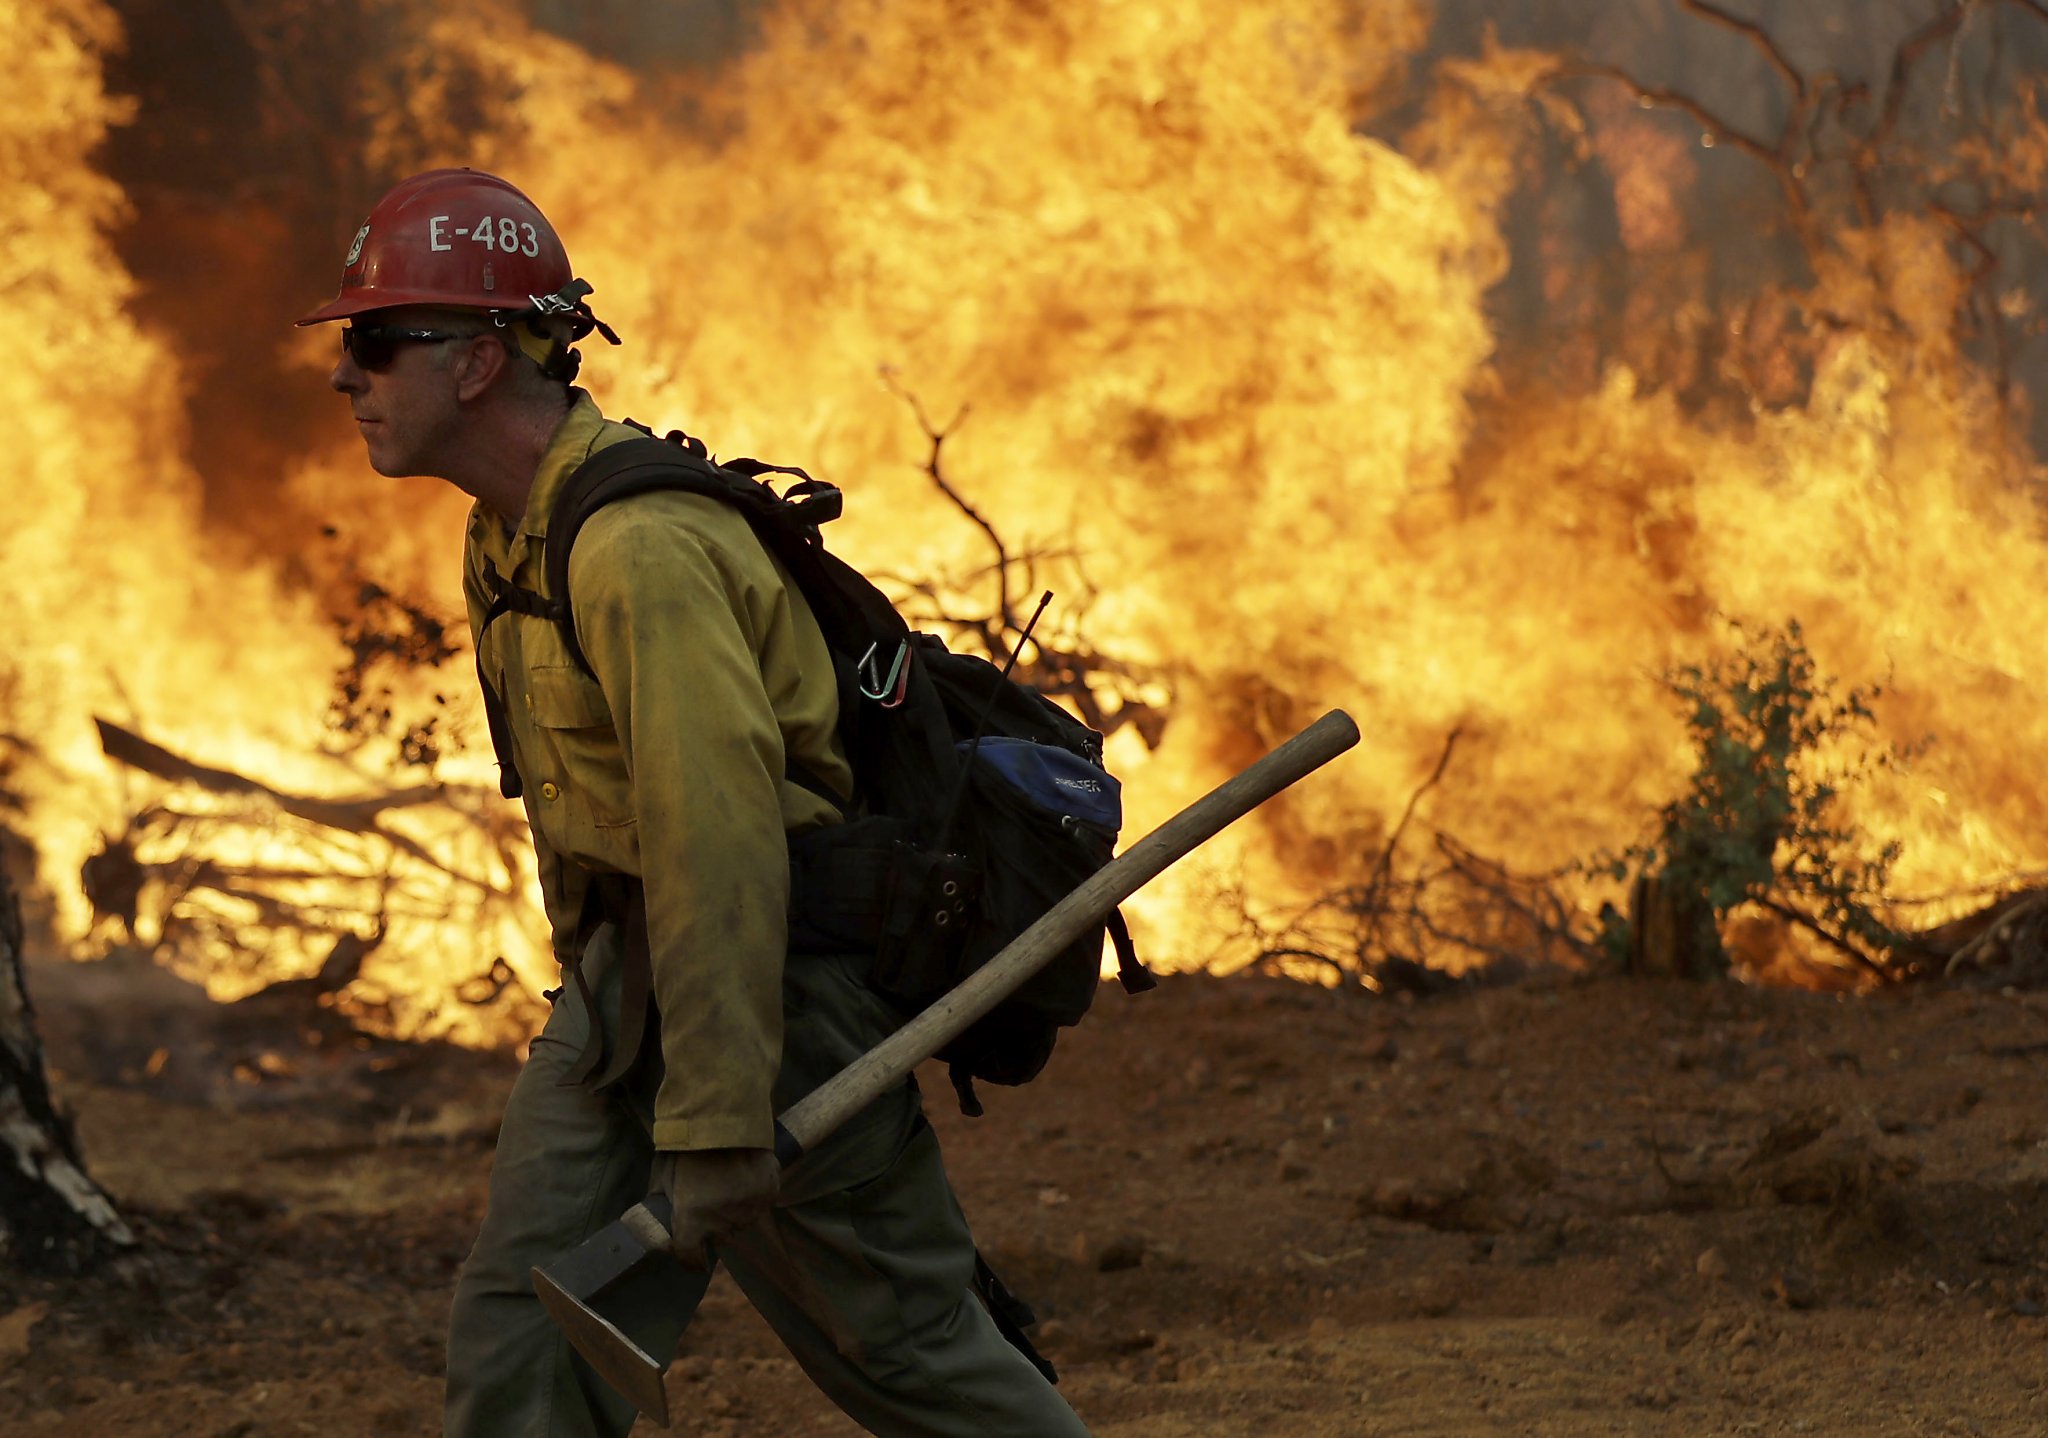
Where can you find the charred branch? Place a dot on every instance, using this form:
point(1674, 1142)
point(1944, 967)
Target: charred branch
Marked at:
point(1784, 157)
point(1414, 909)
point(1987, 312)
point(934, 470)
point(342, 966)
point(1806, 922)
point(1845, 158)
point(383, 631)
point(1722, 129)
point(187, 880)
point(358, 816)
point(1907, 58)
point(2005, 942)
point(1380, 870)
point(1539, 917)
point(53, 1217)
point(1108, 692)
point(1757, 36)
point(355, 816)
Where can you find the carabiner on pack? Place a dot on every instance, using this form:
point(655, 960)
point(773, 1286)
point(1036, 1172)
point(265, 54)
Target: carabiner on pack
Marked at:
point(885, 688)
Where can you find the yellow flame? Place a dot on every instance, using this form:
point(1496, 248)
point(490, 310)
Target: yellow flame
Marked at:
point(121, 603)
point(1234, 346)
point(1209, 335)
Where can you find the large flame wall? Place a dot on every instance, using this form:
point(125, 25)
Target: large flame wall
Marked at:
point(126, 603)
point(114, 604)
point(1234, 351)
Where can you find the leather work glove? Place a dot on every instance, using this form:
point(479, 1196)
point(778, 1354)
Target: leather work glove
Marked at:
point(716, 1192)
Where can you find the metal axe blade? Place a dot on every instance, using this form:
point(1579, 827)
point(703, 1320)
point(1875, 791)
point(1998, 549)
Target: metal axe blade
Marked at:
point(572, 1286)
point(571, 1283)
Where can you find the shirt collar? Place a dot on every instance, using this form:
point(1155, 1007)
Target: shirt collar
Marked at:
point(570, 446)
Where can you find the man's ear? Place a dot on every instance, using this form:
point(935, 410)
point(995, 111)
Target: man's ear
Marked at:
point(482, 360)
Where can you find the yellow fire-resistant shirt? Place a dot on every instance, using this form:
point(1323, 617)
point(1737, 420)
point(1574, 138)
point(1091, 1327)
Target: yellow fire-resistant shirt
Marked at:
point(670, 764)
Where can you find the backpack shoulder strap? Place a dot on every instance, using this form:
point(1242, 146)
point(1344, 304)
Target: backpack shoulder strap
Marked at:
point(620, 471)
point(786, 525)
point(853, 614)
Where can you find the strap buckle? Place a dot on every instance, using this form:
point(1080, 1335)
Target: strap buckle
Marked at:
point(562, 303)
point(814, 501)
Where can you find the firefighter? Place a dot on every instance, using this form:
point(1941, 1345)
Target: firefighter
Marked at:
point(657, 785)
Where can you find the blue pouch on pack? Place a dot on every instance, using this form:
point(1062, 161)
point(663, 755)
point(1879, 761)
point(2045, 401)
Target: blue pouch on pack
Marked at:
point(1055, 780)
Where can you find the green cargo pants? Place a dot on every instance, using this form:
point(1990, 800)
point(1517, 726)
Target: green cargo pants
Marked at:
point(862, 1269)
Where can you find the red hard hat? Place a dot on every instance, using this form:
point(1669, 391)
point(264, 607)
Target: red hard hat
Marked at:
point(462, 239)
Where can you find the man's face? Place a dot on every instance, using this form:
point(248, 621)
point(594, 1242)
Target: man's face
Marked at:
point(401, 388)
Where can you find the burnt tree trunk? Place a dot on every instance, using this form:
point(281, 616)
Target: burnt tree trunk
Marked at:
point(1672, 933)
point(53, 1217)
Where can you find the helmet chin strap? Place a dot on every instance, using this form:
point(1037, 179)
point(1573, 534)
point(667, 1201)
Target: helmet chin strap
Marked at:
point(534, 343)
point(563, 364)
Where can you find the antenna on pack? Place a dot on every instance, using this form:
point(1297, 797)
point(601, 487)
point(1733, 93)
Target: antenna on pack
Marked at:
point(981, 723)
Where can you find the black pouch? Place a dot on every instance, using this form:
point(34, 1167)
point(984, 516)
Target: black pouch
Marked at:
point(926, 901)
point(836, 878)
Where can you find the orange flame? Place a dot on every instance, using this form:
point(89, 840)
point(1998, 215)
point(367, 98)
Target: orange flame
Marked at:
point(1230, 351)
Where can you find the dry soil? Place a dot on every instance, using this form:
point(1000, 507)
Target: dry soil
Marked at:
point(1241, 1206)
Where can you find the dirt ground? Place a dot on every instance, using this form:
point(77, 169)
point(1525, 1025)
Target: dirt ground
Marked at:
point(1241, 1207)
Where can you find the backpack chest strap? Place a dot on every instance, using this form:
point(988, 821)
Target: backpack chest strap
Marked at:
point(507, 598)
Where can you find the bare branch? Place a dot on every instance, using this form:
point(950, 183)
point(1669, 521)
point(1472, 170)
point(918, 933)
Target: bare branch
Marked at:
point(355, 816)
point(1713, 124)
point(1523, 897)
point(1829, 937)
point(1436, 775)
point(1269, 958)
point(1375, 882)
point(932, 468)
point(1063, 667)
point(1757, 36)
point(1987, 258)
point(1906, 57)
point(1779, 157)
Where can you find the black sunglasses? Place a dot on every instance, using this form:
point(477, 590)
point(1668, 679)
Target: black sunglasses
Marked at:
point(373, 347)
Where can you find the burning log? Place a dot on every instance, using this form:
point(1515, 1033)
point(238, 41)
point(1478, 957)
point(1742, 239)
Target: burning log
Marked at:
point(226, 874)
point(354, 816)
point(53, 1217)
point(2006, 942)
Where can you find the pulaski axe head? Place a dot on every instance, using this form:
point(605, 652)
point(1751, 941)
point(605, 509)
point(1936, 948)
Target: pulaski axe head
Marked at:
point(573, 1287)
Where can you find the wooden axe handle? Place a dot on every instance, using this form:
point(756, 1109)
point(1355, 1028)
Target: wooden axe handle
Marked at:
point(807, 1123)
point(811, 1119)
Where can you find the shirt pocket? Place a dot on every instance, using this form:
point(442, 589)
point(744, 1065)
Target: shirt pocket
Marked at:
point(564, 697)
point(591, 802)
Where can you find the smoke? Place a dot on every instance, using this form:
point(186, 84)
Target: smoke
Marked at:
point(1640, 239)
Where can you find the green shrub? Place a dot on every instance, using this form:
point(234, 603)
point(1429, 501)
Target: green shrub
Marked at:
point(1759, 821)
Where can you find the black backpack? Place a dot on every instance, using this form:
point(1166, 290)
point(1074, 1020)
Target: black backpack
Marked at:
point(978, 802)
